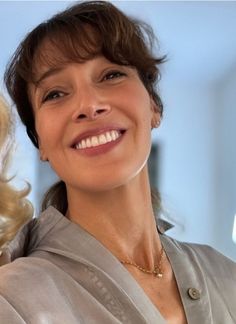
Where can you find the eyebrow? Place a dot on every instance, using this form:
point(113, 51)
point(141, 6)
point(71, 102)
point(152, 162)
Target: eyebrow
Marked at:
point(47, 74)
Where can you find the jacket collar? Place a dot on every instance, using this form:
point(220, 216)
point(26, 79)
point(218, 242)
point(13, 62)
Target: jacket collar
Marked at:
point(56, 234)
point(52, 232)
point(32, 233)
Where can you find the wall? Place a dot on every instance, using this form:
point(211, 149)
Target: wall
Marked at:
point(186, 157)
point(225, 156)
point(197, 156)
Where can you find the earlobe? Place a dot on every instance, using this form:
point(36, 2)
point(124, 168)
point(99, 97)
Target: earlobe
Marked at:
point(156, 121)
point(156, 116)
point(43, 157)
point(42, 154)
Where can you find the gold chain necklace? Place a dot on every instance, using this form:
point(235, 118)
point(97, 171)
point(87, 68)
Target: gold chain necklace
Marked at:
point(157, 271)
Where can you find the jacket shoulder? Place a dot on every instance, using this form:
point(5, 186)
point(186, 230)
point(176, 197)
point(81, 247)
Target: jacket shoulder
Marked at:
point(8, 313)
point(212, 260)
point(20, 275)
point(16, 280)
point(206, 258)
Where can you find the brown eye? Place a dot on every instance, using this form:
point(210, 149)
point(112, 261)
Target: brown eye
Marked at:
point(53, 95)
point(113, 75)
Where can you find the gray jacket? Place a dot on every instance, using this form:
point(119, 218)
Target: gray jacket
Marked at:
point(54, 272)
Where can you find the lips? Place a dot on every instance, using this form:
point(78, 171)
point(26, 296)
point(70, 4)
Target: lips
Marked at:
point(97, 137)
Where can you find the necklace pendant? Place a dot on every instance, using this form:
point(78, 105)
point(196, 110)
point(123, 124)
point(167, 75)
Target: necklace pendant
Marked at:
point(158, 274)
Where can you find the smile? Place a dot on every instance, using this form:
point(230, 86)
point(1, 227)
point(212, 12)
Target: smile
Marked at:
point(101, 139)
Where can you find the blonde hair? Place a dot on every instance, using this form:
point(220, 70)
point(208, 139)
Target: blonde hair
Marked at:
point(15, 210)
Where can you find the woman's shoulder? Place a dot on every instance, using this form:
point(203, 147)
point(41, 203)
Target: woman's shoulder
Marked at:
point(24, 269)
point(28, 281)
point(208, 258)
point(26, 276)
point(31, 292)
point(211, 257)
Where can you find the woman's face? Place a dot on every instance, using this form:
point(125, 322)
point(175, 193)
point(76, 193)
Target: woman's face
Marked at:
point(93, 122)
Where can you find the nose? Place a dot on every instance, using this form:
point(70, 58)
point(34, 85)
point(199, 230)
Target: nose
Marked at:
point(91, 107)
point(92, 112)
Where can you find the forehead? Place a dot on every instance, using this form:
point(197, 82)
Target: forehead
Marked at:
point(98, 63)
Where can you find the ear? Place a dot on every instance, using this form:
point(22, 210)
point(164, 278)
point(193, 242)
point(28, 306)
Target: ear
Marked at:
point(42, 154)
point(43, 157)
point(156, 116)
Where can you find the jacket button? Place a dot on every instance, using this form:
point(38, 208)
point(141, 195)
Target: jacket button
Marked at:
point(194, 293)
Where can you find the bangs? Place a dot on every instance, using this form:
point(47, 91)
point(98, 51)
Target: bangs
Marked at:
point(78, 38)
point(75, 43)
point(77, 34)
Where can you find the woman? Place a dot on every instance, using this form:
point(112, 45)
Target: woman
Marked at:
point(14, 209)
point(84, 85)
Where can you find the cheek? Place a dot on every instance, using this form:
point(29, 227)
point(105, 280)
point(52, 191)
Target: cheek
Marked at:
point(48, 128)
point(141, 110)
point(41, 127)
point(135, 95)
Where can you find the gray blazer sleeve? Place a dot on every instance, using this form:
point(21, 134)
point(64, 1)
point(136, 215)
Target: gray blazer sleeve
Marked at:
point(8, 314)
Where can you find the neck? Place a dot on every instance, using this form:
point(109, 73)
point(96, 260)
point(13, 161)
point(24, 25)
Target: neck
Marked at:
point(121, 219)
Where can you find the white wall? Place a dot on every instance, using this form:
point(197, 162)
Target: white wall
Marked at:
point(225, 156)
point(187, 142)
point(197, 161)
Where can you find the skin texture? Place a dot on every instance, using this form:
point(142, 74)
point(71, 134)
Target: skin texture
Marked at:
point(108, 193)
point(78, 91)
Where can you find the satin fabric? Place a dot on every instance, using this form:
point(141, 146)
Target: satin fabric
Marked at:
point(55, 272)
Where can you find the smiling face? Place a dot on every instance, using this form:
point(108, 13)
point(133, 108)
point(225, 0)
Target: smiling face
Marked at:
point(93, 121)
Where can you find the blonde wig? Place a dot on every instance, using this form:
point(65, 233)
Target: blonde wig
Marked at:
point(15, 210)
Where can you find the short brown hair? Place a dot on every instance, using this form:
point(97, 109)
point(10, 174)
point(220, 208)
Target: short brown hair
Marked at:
point(120, 39)
point(79, 33)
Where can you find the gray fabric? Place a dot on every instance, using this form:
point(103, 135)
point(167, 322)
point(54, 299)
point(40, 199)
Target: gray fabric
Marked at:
point(55, 272)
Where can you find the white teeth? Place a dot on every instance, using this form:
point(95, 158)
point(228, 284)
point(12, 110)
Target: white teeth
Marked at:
point(102, 139)
point(108, 137)
point(98, 140)
point(113, 135)
point(88, 142)
point(94, 140)
point(83, 143)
